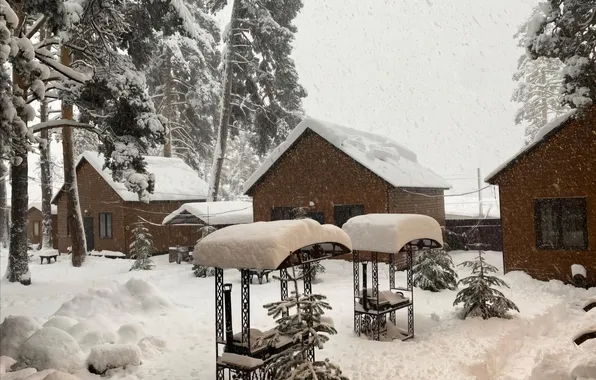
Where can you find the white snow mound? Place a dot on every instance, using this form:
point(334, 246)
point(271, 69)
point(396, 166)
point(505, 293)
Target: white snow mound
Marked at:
point(94, 331)
point(61, 322)
point(130, 333)
point(136, 296)
point(151, 347)
point(14, 330)
point(109, 356)
point(51, 348)
point(59, 375)
point(19, 375)
point(41, 375)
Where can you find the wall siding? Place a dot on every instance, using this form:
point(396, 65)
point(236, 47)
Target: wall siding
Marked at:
point(564, 166)
point(402, 201)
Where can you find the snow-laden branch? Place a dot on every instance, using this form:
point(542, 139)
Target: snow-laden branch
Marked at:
point(35, 27)
point(62, 123)
point(62, 69)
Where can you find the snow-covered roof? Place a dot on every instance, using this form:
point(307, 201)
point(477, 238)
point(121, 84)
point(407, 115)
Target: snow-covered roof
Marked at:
point(389, 160)
point(37, 205)
point(265, 245)
point(212, 213)
point(174, 179)
point(543, 134)
point(389, 233)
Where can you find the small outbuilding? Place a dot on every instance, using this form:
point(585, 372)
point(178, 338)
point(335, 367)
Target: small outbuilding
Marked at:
point(35, 224)
point(548, 201)
point(215, 214)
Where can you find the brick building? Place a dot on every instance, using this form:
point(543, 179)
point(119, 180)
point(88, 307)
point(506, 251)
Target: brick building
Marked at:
point(548, 200)
point(35, 224)
point(110, 211)
point(338, 172)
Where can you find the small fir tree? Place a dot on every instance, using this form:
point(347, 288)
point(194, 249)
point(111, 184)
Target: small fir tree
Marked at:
point(301, 317)
point(199, 270)
point(316, 268)
point(479, 298)
point(434, 271)
point(141, 247)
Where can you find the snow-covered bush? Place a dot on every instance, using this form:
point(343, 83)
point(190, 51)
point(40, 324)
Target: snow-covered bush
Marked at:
point(479, 297)
point(199, 270)
point(14, 330)
point(110, 356)
point(141, 247)
point(301, 317)
point(51, 348)
point(434, 270)
point(315, 269)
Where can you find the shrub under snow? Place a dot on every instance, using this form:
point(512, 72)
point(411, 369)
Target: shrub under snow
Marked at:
point(434, 271)
point(14, 330)
point(109, 356)
point(51, 348)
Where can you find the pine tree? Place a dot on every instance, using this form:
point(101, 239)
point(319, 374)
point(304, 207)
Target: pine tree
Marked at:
point(199, 270)
point(538, 89)
point(480, 299)
point(239, 165)
point(566, 29)
point(301, 317)
point(141, 247)
point(260, 90)
point(316, 268)
point(434, 271)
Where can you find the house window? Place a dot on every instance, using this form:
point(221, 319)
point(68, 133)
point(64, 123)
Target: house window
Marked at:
point(36, 228)
point(105, 225)
point(341, 213)
point(318, 216)
point(561, 223)
point(282, 213)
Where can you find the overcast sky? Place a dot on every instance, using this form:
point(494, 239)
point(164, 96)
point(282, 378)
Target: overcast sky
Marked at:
point(430, 74)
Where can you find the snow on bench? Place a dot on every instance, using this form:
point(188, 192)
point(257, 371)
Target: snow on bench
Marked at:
point(107, 254)
point(48, 256)
point(241, 361)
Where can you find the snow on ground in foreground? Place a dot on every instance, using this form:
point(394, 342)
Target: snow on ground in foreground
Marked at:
point(177, 321)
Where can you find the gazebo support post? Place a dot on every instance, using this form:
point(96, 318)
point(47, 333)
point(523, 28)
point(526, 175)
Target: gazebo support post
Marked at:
point(228, 317)
point(307, 281)
point(392, 315)
point(356, 275)
point(410, 263)
point(219, 318)
point(245, 307)
point(283, 284)
point(364, 287)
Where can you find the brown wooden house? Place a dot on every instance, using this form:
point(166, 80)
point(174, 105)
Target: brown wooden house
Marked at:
point(110, 210)
point(338, 172)
point(548, 200)
point(35, 224)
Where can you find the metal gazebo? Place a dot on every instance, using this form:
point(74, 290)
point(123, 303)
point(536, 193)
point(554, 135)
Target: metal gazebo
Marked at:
point(276, 245)
point(387, 236)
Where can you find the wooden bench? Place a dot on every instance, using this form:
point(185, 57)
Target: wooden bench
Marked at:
point(48, 257)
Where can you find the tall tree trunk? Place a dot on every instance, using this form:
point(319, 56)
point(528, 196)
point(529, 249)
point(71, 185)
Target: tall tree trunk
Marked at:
point(46, 175)
point(226, 107)
point(73, 207)
point(18, 259)
point(4, 210)
point(167, 149)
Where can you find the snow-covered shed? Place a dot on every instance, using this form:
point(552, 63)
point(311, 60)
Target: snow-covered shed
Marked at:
point(110, 210)
point(35, 223)
point(548, 200)
point(337, 172)
point(217, 214)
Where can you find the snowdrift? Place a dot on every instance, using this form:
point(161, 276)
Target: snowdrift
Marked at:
point(85, 335)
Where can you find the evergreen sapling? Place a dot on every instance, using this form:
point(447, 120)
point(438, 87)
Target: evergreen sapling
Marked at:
point(301, 317)
point(316, 268)
point(434, 271)
point(479, 297)
point(141, 248)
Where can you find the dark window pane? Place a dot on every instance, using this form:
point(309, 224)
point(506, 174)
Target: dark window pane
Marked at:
point(109, 225)
point(573, 223)
point(344, 212)
point(318, 216)
point(561, 223)
point(282, 213)
point(548, 223)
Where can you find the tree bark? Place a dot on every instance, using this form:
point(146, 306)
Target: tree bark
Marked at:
point(73, 207)
point(46, 175)
point(4, 209)
point(18, 259)
point(167, 149)
point(226, 108)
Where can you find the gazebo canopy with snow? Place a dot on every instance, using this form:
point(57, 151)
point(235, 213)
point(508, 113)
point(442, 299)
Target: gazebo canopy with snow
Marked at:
point(223, 213)
point(261, 246)
point(389, 235)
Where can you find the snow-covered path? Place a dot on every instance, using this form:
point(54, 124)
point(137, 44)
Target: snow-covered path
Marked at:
point(535, 344)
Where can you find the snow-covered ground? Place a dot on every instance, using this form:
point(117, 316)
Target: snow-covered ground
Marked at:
point(173, 312)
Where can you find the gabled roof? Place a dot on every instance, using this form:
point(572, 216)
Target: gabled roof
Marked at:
point(174, 179)
point(212, 213)
point(37, 205)
point(544, 134)
point(392, 162)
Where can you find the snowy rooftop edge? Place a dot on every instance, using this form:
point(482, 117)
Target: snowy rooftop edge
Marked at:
point(215, 213)
point(174, 179)
point(386, 158)
point(38, 205)
point(540, 137)
point(389, 233)
point(264, 245)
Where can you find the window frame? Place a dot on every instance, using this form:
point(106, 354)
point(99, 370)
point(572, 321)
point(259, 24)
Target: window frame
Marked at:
point(104, 232)
point(338, 207)
point(285, 211)
point(36, 228)
point(559, 204)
